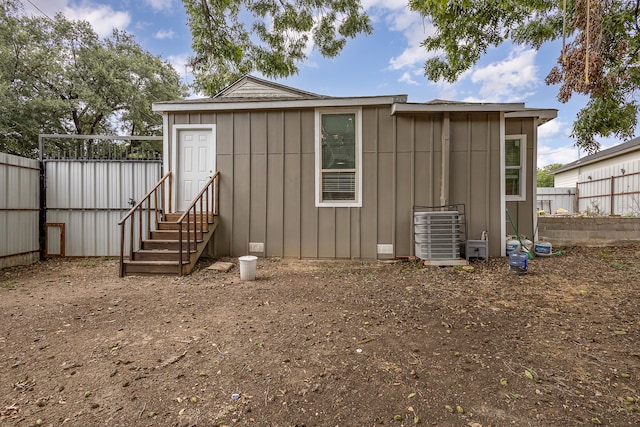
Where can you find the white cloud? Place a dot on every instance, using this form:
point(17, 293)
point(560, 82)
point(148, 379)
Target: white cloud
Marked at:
point(509, 80)
point(49, 7)
point(406, 78)
point(415, 31)
point(165, 34)
point(554, 144)
point(179, 63)
point(411, 57)
point(372, 5)
point(407, 21)
point(548, 154)
point(554, 128)
point(159, 4)
point(103, 18)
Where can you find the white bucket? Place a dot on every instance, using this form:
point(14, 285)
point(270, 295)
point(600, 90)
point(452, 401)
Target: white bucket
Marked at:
point(248, 267)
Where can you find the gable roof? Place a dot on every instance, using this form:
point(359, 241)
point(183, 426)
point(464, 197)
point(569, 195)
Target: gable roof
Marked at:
point(251, 93)
point(253, 87)
point(617, 150)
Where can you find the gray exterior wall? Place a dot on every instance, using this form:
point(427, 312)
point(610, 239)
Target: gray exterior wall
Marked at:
point(522, 212)
point(267, 167)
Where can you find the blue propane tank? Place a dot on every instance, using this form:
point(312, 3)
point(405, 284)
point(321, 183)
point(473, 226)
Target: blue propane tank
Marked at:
point(518, 262)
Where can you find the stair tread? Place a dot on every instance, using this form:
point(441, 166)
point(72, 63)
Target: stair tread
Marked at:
point(128, 261)
point(168, 251)
point(166, 247)
point(169, 240)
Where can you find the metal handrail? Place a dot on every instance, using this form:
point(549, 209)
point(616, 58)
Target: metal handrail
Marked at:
point(141, 209)
point(207, 201)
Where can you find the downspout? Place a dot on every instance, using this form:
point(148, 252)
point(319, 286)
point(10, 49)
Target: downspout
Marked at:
point(444, 166)
point(503, 197)
point(534, 191)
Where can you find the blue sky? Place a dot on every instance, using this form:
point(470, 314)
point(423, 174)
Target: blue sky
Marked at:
point(388, 62)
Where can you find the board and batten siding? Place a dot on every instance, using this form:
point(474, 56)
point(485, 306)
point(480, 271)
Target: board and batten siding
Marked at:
point(522, 212)
point(474, 173)
point(266, 162)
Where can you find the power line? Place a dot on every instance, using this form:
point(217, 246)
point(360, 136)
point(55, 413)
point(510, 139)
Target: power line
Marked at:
point(554, 151)
point(39, 10)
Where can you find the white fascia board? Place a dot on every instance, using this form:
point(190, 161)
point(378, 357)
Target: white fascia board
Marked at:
point(544, 114)
point(455, 107)
point(270, 105)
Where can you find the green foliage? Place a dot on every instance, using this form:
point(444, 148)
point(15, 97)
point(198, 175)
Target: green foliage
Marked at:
point(235, 37)
point(545, 175)
point(601, 63)
point(57, 76)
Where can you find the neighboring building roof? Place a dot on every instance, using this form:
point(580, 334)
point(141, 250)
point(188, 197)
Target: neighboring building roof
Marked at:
point(616, 150)
point(249, 93)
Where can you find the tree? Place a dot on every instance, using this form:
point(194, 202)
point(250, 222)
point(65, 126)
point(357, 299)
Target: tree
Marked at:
point(600, 59)
point(57, 76)
point(545, 175)
point(228, 45)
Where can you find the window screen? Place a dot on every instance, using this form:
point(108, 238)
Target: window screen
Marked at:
point(339, 158)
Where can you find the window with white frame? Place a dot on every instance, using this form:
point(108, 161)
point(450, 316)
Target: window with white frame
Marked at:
point(338, 154)
point(515, 152)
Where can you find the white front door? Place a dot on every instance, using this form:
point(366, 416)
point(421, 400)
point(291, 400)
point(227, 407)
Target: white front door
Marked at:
point(196, 163)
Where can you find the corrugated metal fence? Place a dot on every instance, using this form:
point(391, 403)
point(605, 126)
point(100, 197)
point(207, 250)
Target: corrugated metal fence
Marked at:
point(91, 181)
point(19, 210)
point(610, 190)
point(87, 190)
point(85, 199)
point(553, 200)
point(607, 191)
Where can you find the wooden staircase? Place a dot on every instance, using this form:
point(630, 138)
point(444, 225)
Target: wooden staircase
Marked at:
point(167, 243)
point(160, 254)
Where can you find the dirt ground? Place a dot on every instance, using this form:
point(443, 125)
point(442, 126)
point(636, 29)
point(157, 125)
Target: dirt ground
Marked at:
point(325, 343)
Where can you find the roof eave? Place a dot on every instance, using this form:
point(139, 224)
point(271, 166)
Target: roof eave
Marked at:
point(511, 110)
point(173, 106)
point(543, 115)
point(399, 108)
point(584, 162)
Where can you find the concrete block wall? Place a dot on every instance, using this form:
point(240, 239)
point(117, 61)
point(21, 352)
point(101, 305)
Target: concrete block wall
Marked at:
point(589, 231)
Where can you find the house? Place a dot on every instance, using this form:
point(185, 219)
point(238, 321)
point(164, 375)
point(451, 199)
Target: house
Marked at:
point(611, 161)
point(309, 176)
point(606, 182)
